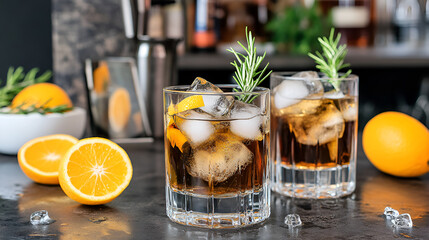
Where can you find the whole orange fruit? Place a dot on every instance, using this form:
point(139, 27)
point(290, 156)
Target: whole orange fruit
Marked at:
point(397, 144)
point(41, 94)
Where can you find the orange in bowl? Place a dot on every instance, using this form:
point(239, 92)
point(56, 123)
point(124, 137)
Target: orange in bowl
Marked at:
point(17, 129)
point(397, 144)
point(41, 94)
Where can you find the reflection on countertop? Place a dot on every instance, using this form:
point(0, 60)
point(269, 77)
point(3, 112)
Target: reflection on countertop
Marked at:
point(139, 213)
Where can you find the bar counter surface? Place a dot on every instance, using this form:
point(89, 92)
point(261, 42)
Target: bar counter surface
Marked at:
point(139, 212)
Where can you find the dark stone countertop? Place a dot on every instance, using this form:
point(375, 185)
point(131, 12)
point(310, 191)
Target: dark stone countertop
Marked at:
point(139, 212)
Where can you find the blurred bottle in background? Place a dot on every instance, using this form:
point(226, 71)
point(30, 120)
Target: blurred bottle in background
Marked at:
point(407, 13)
point(237, 14)
point(354, 19)
point(214, 23)
point(205, 35)
point(427, 10)
point(292, 24)
point(408, 22)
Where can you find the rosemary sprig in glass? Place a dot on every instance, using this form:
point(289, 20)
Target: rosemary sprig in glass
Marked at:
point(16, 81)
point(331, 60)
point(246, 74)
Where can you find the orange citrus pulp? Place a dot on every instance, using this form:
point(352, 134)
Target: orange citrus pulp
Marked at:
point(95, 171)
point(39, 158)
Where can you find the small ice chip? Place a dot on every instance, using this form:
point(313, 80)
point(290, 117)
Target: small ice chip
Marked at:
point(390, 212)
point(41, 218)
point(403, 221)
point(293, 220)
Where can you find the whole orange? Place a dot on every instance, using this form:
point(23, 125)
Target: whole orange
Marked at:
point(397, 144)
point(41, 94)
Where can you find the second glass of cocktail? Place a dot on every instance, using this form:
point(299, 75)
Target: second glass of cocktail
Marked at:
point(314, 135)
point(216, 149)
point(314, 126)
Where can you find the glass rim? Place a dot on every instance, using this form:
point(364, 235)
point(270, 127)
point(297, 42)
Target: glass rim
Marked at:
point(181, 89)
point(287, 75)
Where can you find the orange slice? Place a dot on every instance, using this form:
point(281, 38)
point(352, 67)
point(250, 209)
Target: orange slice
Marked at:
point(176, 137)
point(188, 103)
point(95, 171)
point(39, 158)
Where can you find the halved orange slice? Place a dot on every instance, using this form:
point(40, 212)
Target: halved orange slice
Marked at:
point(39, 158)
point(174, 135)
point(188, 103)
point(95, 171)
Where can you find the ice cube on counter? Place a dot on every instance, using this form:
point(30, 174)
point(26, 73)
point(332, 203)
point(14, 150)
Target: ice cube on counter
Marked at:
point(293, 220)
point(390, 212)
point(398, 220)
point(403, 221)
point(40, 218)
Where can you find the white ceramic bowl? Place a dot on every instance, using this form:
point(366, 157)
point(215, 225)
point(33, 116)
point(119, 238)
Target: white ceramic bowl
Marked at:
point(17, 129)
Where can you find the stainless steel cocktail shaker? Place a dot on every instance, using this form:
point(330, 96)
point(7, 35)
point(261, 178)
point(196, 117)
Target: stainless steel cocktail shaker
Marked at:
point(156, 58)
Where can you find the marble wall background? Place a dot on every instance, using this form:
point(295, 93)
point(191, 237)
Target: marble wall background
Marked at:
point(84, 29)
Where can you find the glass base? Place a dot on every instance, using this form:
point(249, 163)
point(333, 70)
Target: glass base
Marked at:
point(218, 211)
point(314, 183)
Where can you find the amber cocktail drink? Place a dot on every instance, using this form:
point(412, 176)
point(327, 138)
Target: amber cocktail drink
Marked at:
point(314, 135)
point(216, 155)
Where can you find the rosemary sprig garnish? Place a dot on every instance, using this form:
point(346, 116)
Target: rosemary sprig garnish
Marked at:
point(16, 81)
point(246, 74)
point(331, 61)
point(42, 109)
